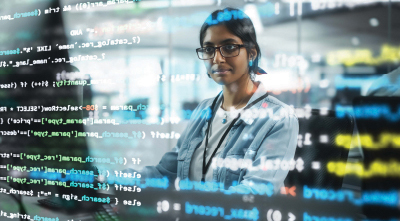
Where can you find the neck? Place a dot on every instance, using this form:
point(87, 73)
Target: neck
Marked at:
point(237, 94)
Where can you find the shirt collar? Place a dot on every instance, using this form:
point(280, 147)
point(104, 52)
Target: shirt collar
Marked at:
point(261, 90)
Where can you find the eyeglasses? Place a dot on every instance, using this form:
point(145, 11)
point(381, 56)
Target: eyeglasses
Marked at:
point(227, 51)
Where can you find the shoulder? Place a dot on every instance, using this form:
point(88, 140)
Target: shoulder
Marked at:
point(271, 115)
point(281, 123)
point(280, 108)
point(271, 103)
point(202, 108)
point(274, 116)
point(276, 103)
point(205, 103)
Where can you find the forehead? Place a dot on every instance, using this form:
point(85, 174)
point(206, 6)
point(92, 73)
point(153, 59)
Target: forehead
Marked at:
point(219, 34)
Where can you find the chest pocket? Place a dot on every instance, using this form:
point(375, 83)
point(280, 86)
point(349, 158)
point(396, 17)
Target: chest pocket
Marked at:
point(231, 171)
point(246, 163)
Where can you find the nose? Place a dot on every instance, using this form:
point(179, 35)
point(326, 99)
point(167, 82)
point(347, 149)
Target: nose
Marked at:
point(218, 58)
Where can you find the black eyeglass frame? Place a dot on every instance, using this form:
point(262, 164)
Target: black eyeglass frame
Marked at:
point(219, 48)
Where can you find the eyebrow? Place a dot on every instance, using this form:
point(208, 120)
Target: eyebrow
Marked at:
point(222, 42)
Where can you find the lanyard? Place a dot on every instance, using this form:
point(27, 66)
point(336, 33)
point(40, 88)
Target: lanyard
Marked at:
point(206, 166)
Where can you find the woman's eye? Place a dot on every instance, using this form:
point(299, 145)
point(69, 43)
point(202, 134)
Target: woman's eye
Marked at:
point(230, 47)
point(208, 49)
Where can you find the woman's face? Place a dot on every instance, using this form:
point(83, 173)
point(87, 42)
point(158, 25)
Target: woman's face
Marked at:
point(225, 71)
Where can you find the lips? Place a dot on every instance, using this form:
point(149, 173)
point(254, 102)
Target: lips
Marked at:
point(221, 71)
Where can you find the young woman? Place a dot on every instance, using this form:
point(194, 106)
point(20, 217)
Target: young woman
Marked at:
point(245, 150)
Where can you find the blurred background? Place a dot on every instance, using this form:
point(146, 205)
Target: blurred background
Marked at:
point(318, 54)
point(132, 66)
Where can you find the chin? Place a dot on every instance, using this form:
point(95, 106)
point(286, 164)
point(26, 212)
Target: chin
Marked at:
point(222, 83)
point(221, 80)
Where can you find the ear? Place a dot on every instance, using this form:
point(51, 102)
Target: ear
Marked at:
point(253, 54)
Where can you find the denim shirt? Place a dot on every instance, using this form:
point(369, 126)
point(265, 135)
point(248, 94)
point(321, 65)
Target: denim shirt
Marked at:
point(266, 132)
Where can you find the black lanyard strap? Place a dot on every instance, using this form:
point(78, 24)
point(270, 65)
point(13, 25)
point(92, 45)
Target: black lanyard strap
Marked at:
point(206, 166)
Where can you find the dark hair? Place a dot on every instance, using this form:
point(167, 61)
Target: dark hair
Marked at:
point(239, 24)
